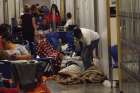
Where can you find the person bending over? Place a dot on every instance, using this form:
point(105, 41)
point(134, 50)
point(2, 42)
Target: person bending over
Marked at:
point(89, 40)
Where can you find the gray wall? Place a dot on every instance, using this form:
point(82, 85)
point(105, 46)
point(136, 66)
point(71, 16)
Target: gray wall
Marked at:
point(1, 12)
point(102, 16)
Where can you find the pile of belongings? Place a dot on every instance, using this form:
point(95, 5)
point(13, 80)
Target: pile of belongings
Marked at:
point(73, 74)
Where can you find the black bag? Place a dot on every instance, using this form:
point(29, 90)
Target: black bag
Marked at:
point(8, 73)
point(27, 75)
point(6, 69)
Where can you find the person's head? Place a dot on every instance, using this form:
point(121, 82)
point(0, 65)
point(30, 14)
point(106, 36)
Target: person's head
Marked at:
point(26, 9)
point(55, 8)
point(37, 5)
point(5, 28)
point(7, 40)
point(6, 35)
point(39, 35)
point(45, 9)
point(77, 32)
point(34, 9)
point(4, 55)
point(69, 15)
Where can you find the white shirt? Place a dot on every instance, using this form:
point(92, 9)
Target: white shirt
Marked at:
point(69, 22)
point(89, 35)
point(19, 50)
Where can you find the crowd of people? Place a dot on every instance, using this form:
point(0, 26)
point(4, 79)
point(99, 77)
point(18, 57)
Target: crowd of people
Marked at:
point(43, 19)
point(35, 18)
point(39, 30)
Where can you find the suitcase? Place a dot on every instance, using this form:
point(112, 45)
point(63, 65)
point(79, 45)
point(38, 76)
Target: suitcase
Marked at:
point(6, 69)
point(8, 74)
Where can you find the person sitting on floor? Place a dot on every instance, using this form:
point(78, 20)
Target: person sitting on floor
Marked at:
point(14, 51)
point(45, 49)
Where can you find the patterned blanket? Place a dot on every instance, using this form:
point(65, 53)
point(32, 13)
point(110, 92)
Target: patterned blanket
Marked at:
point(91, 75)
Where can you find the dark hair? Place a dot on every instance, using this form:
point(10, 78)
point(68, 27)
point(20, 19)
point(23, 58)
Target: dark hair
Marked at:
point(71, 27)
point(77, 32)
point(26, 9)
point(69, 15)
point(54, 6)
point(37, 4)
point(5, 28)
point(5, 32)
point(33, 9)
point(7, 37)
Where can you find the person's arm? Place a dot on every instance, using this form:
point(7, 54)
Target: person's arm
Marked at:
point(25, 55)
point(4, 55)
point(34, 23)
point(22, 57)
point(19, 21)
point(67, 24)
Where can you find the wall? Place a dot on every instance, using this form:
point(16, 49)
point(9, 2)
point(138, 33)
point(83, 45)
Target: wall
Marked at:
point(1, 12)
point(86, 13)
point(113, 31)
point(58, 4)
point(70, 7)
point(102, 18)
point(15, 7)
point(21, 6)
point(11, 9)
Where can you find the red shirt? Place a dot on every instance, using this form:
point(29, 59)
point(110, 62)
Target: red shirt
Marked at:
point(57, 19)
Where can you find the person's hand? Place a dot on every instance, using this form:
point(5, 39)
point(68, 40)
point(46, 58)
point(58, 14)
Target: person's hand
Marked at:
point(3, 55)
point(12, 57)
point(61, 55)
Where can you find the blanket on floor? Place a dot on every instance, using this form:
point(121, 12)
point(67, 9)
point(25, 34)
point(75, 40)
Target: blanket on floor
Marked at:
point(91, 75)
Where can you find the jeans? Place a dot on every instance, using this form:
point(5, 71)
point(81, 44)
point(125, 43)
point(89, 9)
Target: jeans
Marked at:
point(87, 53)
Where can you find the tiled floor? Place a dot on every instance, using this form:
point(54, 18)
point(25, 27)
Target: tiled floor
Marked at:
point(86, 88)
